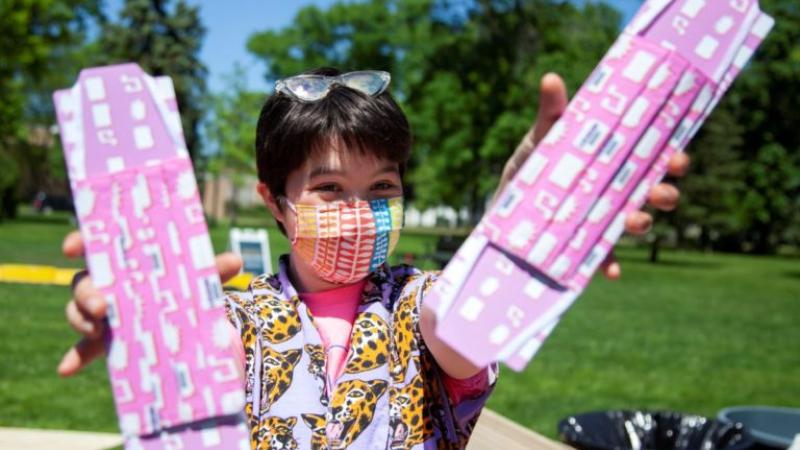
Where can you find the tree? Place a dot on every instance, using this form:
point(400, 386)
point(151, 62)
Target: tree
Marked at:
point(38, 36)
point(231, 131)
point(465, 73)
point(744, 190)
point(477, 97)
point(163, 40)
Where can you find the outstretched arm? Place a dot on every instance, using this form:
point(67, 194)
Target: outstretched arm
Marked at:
point(552, 103)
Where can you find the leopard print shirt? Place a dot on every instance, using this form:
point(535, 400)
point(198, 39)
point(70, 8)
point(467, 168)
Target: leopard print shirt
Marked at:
point(390, 395)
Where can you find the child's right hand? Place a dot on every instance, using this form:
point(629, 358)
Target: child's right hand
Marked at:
point(552, 103)
point(86, 312)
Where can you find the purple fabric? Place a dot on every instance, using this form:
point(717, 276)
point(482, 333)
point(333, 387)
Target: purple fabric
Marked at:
point(390, 377)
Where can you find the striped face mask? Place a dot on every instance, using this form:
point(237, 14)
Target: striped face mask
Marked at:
point(344, 241)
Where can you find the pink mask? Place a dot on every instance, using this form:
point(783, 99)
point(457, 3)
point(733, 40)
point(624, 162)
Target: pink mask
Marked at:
point(345, 241)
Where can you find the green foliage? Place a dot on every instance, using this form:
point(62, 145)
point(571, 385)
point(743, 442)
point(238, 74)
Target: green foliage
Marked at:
point(348, 35)
point(466, 74)
point(744, 188)
point(695, 333)
point(44, 44)
point(37, 37)
point(231, 130)
point(164, 40)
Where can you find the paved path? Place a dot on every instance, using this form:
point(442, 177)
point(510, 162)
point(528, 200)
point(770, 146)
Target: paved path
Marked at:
point(34, 439)
point(493, 432)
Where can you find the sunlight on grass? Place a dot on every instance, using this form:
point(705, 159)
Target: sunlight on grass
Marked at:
point(694, 333)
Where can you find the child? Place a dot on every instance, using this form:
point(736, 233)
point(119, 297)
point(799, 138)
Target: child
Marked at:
point(339, 349)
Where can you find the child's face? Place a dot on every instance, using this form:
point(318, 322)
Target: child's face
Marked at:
point(336, 175)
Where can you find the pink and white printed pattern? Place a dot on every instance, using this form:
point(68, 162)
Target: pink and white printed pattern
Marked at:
point(556, 221)
point(170, 358)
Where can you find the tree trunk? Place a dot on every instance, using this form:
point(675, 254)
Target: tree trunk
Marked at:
point(680, 231)
point(705, 238)
point(234, 204)
point(764, 244)
point(654, 248)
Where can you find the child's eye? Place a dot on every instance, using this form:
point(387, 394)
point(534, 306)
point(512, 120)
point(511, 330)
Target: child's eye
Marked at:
point(383, 186)
point(328, 187)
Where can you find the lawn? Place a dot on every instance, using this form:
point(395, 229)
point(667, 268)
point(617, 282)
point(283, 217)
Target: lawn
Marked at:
point(695, 333)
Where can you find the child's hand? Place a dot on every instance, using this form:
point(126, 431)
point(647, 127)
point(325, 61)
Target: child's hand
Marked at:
point(552, 103)
point(86, 312)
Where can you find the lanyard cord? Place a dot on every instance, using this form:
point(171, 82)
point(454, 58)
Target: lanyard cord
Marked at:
point(328, 380)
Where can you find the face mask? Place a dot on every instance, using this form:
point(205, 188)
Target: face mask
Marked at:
point(345, 241)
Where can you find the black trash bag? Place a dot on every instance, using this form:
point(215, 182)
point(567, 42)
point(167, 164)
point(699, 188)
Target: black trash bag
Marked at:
point(643, 430)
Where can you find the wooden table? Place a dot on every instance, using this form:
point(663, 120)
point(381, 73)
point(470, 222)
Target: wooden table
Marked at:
point(493, 432)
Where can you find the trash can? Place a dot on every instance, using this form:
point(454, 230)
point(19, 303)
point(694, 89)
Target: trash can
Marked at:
point(771, 426)
point(646, 430)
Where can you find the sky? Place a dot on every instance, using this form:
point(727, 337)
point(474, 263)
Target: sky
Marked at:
point(229, 23)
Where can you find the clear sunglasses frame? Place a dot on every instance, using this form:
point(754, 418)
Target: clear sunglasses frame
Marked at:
point(312, 88)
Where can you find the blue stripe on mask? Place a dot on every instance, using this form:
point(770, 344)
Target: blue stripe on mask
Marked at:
point(380, 252)
point(382, 214)
point(383, 225)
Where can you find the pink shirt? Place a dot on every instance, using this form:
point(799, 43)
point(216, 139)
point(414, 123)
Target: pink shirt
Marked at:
point(335, 310)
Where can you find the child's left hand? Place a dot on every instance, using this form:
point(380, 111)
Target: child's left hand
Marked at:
point(552, 103)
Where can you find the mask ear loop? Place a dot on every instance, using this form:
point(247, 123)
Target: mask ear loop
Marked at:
point(291, 206)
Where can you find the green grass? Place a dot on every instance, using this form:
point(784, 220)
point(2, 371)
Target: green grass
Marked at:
point(33, 337)
point(694, 333)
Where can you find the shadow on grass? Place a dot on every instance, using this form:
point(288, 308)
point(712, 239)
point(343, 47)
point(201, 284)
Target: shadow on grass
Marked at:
point(42, 219)
point(792, 274)
point(679, 262)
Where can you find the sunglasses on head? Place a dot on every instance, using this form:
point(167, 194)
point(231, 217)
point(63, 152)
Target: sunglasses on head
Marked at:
point(311, 88)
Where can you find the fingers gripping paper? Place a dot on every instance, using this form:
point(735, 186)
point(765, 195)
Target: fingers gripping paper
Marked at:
point(535, 251)
point(173, 374)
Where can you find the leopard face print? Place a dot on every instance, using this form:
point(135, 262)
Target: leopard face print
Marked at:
point(369, 344)
point(353, 408)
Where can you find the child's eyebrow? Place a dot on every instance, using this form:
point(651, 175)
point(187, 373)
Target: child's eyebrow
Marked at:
point(325, 170)
point(392, 168)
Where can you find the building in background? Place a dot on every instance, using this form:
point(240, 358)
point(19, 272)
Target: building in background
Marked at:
point(221, 195)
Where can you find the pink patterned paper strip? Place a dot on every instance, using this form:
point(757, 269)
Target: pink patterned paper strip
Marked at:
point(173, 372)
point(634, 149)
point(537, 248)
point(562, 174)
point(643, 157)
point(697, 114)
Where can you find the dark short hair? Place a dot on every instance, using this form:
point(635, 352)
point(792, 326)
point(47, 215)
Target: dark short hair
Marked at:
point(290, 131)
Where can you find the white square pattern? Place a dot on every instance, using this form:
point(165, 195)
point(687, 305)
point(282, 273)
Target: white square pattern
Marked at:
point(101, 115)
point(471, 308)
point(707, 47)
point(648, 143)
point(143, 137)
point(566, 170)
point(542, 249)
point(95, 88)
point(115, 164)
point(202, 253)
point(639, 66)
point(532, 168)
